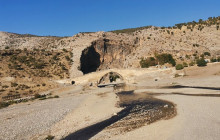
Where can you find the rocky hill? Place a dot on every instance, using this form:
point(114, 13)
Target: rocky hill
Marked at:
point(105, 50)
point(125, 48)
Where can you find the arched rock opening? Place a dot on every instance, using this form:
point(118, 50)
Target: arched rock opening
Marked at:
point(110, 77)
point(90, 60)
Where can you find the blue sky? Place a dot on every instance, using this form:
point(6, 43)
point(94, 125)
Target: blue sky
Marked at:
point(68, 17)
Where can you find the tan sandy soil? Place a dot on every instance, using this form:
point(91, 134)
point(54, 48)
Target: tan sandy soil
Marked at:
point(197, 116)
point(99, 105)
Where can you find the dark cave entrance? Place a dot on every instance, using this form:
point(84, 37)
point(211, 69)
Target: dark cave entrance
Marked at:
point(90, 60)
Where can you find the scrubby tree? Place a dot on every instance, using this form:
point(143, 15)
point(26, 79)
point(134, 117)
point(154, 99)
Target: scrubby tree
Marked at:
point(192, 63)
point(143, 63)
point(213, 60)
point(165, 58)
point(185, 64)
point(201, 62)
point(179, 66)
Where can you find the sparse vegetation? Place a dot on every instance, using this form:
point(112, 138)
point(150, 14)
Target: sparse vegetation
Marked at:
point(4, 104)
point(49, 137)
point(160, 58)
point(165, 58)
point(131, 30)
point(201, 62)
point(185, 64)
point(13, 84)
point(179, 66)
point(35, 65)
point(213, 60)
point(143, 63)
point(192, 63)
point(56, 96)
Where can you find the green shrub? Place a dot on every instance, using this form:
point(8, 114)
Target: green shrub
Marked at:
point(201, 62)
point(187, 56)
point(38, 65)
point(165, 58)
point(179, 67)
point(192, 63)
point(213, 60)
point(43, 98)
point(185, 64)
point(6, 47)
point(56, 96)
point(143, 63)
point(177, 75)
point(64, 50)
point(63, 68)
point(35, 49)
point(5, 86)
point(150, 61)
point(67, 58)
point(4, 104)
point(22, 59)
point(37, 95)
point(55, 57)
point(13, 84)
point(71, 54)
point(2, 90)
point(202, 55)
point(218, 59)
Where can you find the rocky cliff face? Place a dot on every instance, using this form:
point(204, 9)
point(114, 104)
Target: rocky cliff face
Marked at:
point(104, 50)
point(105, 53)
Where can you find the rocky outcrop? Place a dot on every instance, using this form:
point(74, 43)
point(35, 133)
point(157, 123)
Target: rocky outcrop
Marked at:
point(105, 53)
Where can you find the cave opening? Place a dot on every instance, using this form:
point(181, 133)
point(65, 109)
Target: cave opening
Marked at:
point(90, 60)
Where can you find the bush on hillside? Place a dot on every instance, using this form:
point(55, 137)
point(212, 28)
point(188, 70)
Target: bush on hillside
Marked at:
point(143, 63)
point(201, 62)
point(213, 60)
point(150, 61)
point(179, 66)
point(165, 58)
point(185, 64)
point(4, 104)
point(192, 63)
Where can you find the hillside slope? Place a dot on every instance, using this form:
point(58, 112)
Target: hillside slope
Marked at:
point(125, 48)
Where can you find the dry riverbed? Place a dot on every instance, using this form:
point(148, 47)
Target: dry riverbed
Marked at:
point(173, 108)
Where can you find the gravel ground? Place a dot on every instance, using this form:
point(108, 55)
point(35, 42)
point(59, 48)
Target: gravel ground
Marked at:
point(23, 121)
